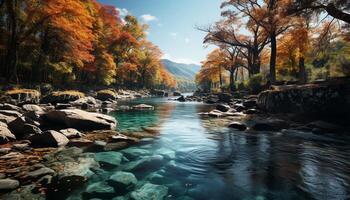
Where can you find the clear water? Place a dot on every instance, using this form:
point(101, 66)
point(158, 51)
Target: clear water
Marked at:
point(206, 161)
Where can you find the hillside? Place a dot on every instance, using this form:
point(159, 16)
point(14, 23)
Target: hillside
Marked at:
point(184, 74)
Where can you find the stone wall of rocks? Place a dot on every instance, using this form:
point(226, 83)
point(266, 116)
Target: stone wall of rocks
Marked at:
point(324, 98)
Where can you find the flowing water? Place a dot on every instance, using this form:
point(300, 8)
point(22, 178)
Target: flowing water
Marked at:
point(203, 160)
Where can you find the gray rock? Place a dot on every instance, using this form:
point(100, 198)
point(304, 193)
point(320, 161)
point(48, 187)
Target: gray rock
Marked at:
point(32, 108)
point(82, 120)
point(238, 126)
point(251, 111)
point(251, 103)
point(4, 150)
point(40, 173)
point(156, 192)
point(49, 139)
point(10, 113)
point(7, 106)
point(61, 106)
point(85, 100)
point(71, 133)
point(181, 99)
point(123, 182)
point(12, 155)
point(223, 107)
point(6, 119)
point(215, 113)
point(109, 159)
point(6, 135)
point(21, 147)
point(24, 126)
point(99, 190)
point(8, 184)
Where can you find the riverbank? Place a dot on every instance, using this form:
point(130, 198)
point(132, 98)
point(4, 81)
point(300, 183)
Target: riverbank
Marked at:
point(43, 138)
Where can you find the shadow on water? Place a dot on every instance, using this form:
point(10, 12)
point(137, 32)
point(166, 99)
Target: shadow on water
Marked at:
point(204, 160)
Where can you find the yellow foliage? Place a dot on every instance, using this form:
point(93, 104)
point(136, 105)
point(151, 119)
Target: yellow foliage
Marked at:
point(68, 93)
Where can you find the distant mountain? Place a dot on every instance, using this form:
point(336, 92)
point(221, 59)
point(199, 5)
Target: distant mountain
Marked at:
point(180, 70)
point(184, 74)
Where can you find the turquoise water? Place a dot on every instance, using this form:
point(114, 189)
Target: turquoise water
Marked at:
point(201, 159)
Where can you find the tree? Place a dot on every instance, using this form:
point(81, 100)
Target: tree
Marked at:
point(339, 9)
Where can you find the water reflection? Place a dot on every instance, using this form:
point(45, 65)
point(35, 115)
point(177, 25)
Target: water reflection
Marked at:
point(206, 161)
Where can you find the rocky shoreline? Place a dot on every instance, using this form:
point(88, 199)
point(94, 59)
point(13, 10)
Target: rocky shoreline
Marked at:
point(46, 142)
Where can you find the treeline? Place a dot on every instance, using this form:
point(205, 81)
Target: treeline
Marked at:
point(274, 41)
point(76, 41)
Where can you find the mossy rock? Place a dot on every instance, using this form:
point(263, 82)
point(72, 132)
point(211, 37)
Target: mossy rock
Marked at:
point(63, 96)
point(24, 95)
point(105, 95)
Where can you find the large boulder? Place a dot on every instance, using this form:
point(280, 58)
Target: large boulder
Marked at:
point(123, 182)
point(8, 185)
point(24, 126)
point(181, 99)
point(105, 95)
point(323, 98)
point(5, 134)
point(48, 139)
point(21, 96)
point(71, 133)
point(82, 120)
point(150, 191)
point(63, 97)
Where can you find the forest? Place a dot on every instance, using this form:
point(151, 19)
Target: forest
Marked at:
point(77, 42)
point(274, 42)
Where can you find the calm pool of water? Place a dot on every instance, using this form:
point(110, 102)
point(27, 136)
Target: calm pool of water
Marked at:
point(206, 161)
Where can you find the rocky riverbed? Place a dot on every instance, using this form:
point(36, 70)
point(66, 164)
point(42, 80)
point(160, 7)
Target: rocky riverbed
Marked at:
point(44, 138)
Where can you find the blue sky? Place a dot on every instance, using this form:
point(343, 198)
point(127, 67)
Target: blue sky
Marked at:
point(172, 24)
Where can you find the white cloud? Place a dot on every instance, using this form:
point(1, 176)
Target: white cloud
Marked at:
point(122, 12)
point(148, 18)
point(180, 60)
point(187, 40)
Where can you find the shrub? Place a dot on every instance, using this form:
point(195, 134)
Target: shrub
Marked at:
point(256, 83)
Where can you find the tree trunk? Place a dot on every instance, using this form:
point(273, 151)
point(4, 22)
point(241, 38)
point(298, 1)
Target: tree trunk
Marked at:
point(273, 58)
point(232, 82)
point(302, 74)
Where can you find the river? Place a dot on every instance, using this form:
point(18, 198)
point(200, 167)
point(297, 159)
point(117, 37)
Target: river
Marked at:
point(204, 160)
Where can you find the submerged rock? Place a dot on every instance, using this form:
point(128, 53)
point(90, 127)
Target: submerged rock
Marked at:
point(143, 107)
point(109, 159)
point(82, 120)
point(123, 182)
point(238, 126)
point(99, 190)
point(145, 164)
point(150, 191)
point(270, 125)
point(181, 99)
